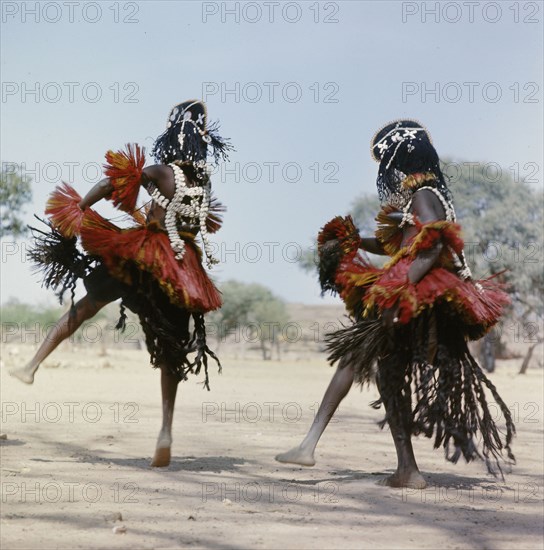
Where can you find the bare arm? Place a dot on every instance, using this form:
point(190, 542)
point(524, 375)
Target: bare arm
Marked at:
point(158, 174)
point(372, 245)
point(101, 190)
point(161, 176)
point(427, 208)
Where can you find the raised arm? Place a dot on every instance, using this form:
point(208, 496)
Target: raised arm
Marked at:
point(161, 176)
point(125, 173)
point(101, 190)
point(158, 174)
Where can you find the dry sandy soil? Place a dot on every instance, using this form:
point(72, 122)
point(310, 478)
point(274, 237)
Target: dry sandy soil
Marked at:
point(79, 442)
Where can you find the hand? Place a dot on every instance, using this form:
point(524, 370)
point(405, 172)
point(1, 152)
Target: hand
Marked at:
point(330, 251)
point(390, 316)
point(328, 246)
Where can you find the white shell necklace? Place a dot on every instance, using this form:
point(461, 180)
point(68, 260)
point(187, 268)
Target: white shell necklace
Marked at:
point(194, 212)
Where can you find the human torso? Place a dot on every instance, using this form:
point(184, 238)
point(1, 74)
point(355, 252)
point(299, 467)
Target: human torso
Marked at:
point(162, 190)
point(434, 209)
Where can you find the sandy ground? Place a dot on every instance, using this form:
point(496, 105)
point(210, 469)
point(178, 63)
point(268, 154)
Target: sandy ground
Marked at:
point(80, 440)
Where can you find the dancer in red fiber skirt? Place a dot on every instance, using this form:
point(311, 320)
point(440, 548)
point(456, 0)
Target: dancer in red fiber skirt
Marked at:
point(413, 317)
point(155, 265)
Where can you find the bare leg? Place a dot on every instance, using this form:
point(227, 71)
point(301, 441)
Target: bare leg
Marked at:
point(399, 416)
point(407, 473)
point(338, 388)
point(169, 388)
point(65, 327)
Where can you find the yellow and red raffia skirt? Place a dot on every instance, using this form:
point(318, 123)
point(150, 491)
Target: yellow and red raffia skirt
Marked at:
point(147, 248)
point(424, 370)
point(138, 265)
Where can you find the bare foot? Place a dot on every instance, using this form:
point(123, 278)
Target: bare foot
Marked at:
point(161, 458)
point(24, 374)
point(412, 479)
point(298, 455)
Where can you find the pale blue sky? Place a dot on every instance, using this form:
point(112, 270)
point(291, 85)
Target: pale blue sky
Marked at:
point(362, 60)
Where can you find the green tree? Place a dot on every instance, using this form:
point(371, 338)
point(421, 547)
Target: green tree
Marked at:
point(502, 224)
point(308, 259)
point(15, 192)
point(269, 316)
point(251, 310)
point(18, 318)
point(15, 311)
point(364, 210)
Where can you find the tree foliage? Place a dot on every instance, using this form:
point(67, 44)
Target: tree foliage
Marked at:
point(19, 319)
point(252, 312)
point(502, 224)
point(364, 210)
point(15, 192)
point(20, 313)
point(503, 230)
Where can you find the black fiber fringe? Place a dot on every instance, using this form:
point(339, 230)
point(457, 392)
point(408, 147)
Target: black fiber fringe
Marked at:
point(330, 256)
point(427, 365)
point(165, 325)
point(359, 345)
point(202, 349)
point(221, 147)
point(167, 148)
point(166, 328)
point(406, 158)
point(58, 259)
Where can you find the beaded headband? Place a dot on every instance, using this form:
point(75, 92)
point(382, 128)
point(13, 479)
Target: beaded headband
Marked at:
point(189, 138)
point(182, 112)
point(399, 133)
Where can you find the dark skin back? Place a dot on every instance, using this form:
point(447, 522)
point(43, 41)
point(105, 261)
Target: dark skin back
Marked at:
point(162, 177)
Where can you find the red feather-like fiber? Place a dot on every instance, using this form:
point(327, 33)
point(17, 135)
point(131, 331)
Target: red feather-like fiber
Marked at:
point(149, 248)
point(124, 168)
point(63, 210)
point(343, 229)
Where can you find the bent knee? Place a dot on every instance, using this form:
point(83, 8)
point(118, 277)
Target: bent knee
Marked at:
point(87, 308)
